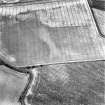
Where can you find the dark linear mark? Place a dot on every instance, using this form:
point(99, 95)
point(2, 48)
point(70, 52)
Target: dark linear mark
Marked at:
point(21, 70)
point(98, 4)
point(26, 71)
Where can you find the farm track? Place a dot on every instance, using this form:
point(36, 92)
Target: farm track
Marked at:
point(85, 80)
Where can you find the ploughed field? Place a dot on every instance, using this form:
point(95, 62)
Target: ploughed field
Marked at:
point(40, 38)
point(51, 35)
point(70, 84)
point(80, 83)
